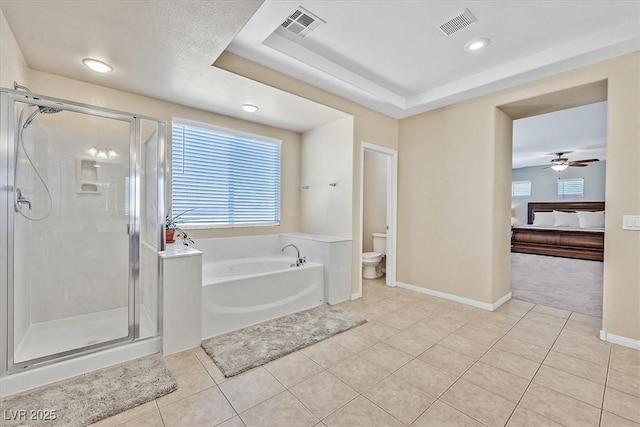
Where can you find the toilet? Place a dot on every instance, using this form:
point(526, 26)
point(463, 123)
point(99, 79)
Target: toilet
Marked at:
point(372, 261)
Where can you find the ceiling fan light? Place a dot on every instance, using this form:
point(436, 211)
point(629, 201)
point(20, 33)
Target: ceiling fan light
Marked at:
point(559, 166)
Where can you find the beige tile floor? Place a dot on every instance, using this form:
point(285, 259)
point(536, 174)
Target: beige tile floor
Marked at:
point(419, 361)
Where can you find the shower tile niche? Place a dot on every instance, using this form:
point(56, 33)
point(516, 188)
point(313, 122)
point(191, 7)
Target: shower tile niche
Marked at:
point(87, 176)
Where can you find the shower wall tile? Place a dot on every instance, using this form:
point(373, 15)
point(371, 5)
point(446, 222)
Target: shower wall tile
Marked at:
point(80, 254)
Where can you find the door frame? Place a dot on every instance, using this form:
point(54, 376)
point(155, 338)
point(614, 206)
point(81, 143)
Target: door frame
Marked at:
point(392, 211)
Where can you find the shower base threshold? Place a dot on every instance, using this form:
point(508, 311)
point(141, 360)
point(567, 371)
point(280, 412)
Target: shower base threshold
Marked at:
point(57, 336)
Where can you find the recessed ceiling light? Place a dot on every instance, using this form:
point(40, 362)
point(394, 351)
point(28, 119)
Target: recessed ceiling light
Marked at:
point(98, 66)
point(476, 44)
point(250, 108)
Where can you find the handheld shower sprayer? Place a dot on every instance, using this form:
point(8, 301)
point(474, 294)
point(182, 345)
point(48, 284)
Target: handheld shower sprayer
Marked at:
point(41, 108)
point(19, 199)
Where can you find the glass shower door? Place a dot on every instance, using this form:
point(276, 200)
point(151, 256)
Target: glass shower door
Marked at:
point(73, 207)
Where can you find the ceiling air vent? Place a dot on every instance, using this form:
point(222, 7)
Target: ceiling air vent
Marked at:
point(458, 22)
point(302, 22)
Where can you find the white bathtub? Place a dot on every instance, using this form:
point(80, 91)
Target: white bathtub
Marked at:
point(242, 292)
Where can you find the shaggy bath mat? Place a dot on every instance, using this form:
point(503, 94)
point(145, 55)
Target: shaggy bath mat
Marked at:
point(88, 398)
point(246, 348)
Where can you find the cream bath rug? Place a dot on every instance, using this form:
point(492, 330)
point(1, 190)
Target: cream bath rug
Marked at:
point(85, 399)
point(246, 348)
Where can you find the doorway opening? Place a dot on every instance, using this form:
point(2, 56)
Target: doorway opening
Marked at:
point(558, 199)
point(378, 211)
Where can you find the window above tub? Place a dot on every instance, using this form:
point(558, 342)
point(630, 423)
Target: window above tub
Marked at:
point(224, 178)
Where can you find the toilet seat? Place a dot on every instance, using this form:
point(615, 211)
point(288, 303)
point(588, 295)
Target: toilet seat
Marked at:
point(370, 255)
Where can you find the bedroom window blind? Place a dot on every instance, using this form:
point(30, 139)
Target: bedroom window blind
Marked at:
point(226, 178)
point(521, 189)
point(573, 187)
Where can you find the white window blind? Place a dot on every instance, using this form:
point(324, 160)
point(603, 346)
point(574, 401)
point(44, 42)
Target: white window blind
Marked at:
point(521, 189)
point(573, 187)
point(227, 179)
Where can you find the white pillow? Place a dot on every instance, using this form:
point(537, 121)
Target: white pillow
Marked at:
point(544, 219)
point(591, 219)
point(566, 219)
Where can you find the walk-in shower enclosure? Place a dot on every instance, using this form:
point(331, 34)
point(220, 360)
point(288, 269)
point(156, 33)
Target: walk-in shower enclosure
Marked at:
point(81, 222)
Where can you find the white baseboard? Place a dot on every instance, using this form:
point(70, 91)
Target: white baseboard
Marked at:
point(501, 301)
point(620, 340)
point(456, 298)
point(356, 295)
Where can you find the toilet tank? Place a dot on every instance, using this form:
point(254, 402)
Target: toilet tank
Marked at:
point(380, 243)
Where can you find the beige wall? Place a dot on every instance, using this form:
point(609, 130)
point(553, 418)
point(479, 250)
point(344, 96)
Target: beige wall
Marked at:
point(78, 91)
point(445, 201)
point(12, 64)
point(374, 200)
point(454, 176)
point(327, 153)
point(622, 247)
point(501, 213)
point(368, 125)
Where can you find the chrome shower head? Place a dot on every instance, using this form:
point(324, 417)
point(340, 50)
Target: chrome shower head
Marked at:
point(41, 110)
point(49, 110)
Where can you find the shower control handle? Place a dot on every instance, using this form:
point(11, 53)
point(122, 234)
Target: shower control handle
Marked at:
point(20, 200)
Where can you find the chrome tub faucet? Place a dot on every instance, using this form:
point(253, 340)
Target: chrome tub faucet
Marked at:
point(299, 261)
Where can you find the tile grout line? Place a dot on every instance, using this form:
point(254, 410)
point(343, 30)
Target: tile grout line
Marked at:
point(307, 407)
point(155, 401)
point(473, 364)
point(536, 373)
point(417, 358)
point(193, 394)
point(400, 367)
point(530, 310)
point(288, 389)
point(485, 352)
point(217, 386)
point(361, 394)
point(161, 417)
point(478, 360)
point(604, 390)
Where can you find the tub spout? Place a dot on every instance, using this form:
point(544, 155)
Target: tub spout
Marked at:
point(299, 261)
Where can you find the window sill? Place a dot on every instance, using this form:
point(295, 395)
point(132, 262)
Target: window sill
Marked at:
point(214, 225)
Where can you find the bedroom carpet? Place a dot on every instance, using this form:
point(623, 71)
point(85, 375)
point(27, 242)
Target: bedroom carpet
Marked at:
point(565, 283)
point(246, 348)
point(82, 400)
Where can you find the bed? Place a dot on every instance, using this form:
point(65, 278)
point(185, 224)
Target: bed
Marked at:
point(569, 242)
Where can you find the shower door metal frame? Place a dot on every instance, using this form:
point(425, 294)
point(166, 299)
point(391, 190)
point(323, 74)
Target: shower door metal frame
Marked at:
point(7, 217)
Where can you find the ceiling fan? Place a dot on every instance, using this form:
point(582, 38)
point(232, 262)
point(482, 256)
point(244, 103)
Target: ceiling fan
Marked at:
point(561, 163)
